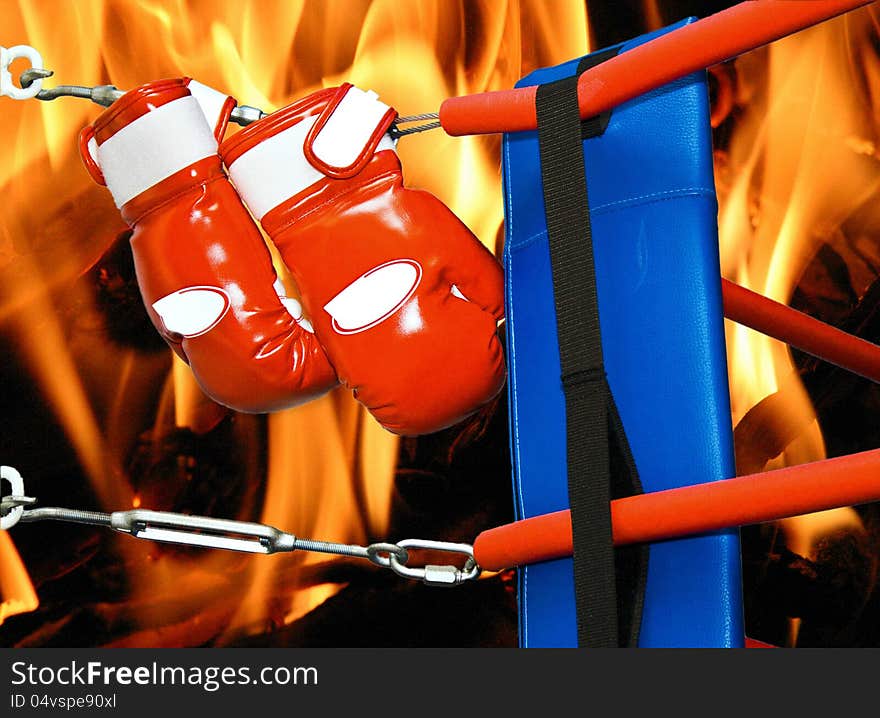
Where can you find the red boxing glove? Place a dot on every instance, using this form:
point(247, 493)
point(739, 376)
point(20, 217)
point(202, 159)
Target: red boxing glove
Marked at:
point(404, 298)
point(204, 272)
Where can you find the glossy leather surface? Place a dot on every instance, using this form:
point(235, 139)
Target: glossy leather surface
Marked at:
point(422, 358)
point(653, 212)
point(191, 235)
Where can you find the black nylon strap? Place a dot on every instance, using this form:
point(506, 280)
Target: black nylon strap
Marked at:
point(587, 396)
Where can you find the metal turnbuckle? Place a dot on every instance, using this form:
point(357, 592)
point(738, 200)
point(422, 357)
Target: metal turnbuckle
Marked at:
point(243, 536)
point(106, 95)
point(202, 531)
point(31, 85)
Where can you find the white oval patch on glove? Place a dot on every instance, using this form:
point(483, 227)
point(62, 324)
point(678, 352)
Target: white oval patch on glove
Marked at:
point(192, 311)
point(374, 296)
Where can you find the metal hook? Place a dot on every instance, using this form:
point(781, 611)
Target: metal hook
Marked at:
point(7, 86)
point(8, 503)
point(31, 75)
point(10, 517)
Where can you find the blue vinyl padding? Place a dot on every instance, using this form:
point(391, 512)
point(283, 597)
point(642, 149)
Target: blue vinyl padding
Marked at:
point(654, 221)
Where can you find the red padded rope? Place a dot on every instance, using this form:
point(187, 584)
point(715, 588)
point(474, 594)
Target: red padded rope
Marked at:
point(768, 496)
point(693, 47)
point(801, 331)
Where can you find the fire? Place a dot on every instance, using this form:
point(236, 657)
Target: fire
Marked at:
point(801, 163)
point(330, 466)
point(17, 595)
point(791, 180)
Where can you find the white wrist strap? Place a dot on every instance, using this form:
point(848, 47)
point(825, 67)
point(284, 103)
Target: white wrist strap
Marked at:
point(154, 147)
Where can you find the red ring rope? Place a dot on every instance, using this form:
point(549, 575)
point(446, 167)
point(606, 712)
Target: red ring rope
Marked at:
point(801, 331)
point(792, 491)
point(706, 42)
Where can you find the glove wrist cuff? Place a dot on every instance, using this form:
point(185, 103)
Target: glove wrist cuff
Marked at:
point(193, 176)
point(333, 196)
point(154, 147)
point(153, 132)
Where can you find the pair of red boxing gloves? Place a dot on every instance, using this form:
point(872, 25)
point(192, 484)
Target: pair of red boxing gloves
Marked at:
point(402, 300)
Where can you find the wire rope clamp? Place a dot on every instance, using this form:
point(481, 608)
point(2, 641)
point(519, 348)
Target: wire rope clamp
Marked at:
point(7, 86)
point(13, 477)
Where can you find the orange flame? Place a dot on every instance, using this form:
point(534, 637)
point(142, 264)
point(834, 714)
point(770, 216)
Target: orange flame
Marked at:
point(801, 162)
point(17, 594)
point(795, 179)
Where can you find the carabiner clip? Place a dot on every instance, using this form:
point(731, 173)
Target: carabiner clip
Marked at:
point(434, 575)
point(7, 86)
